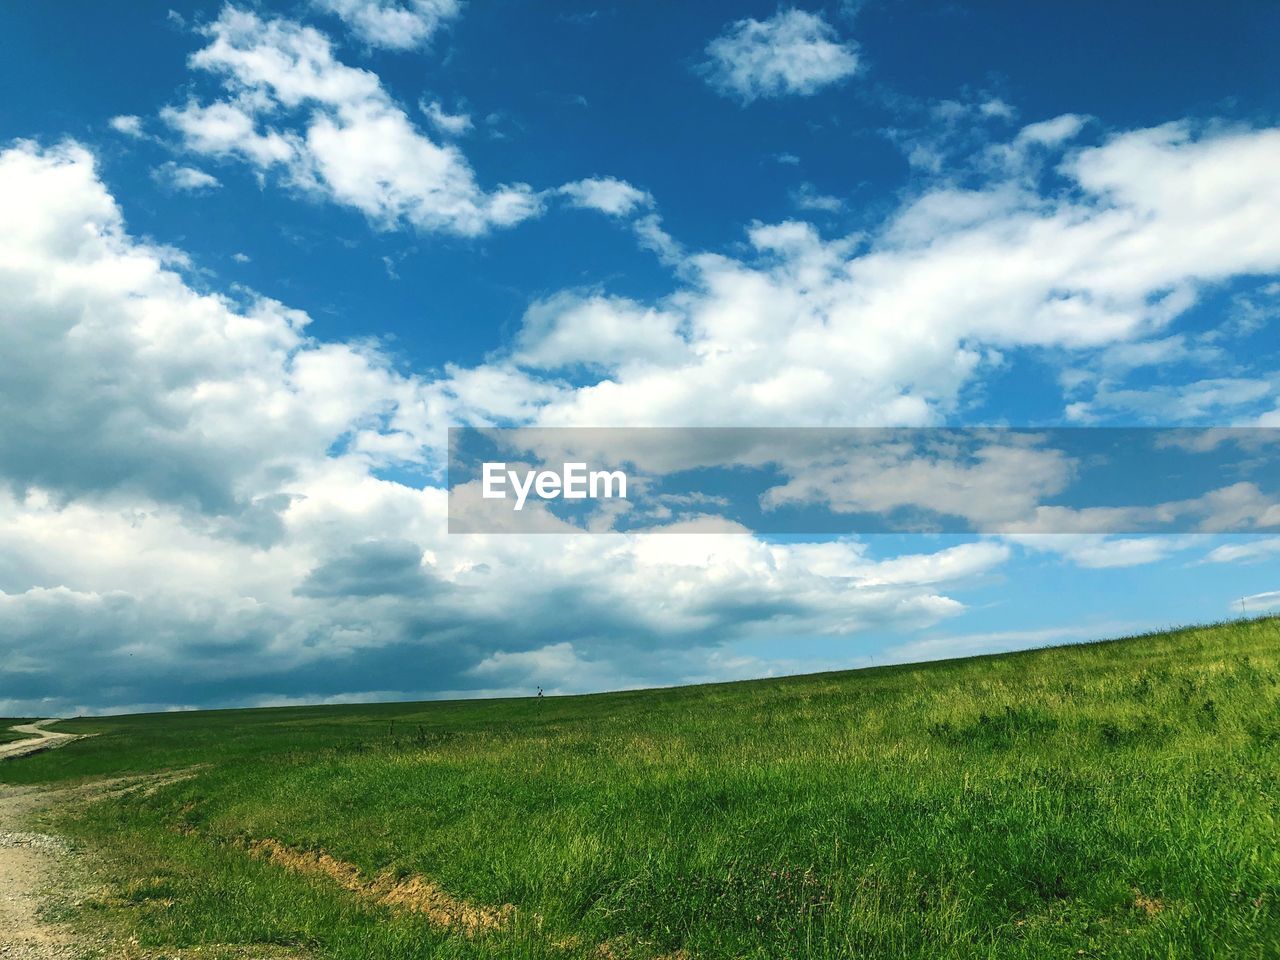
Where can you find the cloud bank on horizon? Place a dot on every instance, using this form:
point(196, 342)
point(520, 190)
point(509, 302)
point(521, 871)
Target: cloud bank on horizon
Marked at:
point(218, 489)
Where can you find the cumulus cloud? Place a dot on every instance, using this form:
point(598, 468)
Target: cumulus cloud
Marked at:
point(558, 667)
point(185, 179)
point(128, 124)
point(1210, 399)
point(891, 328)
point(332, 130)
point(230, 129)
point(191, 511)
point(609, 195)
point(194, 496)
point(597, 331)
point(1259, 602)
point(1249, 551)
point(792, 53)
point(990, 485)
point(1048, 133)
point(373, 568)
point(807, 197)
point(1098, 552)
point(449, 124)
point(132, 381)
point(391, 24)
point(194, 499)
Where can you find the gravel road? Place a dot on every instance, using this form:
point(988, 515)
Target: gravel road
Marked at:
point(28, 861)
point(27, 865)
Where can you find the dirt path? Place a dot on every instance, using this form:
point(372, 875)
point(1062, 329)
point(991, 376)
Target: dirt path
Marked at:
point(41, 739)
point(28, 861)
point(27, 865)
point(37, 870)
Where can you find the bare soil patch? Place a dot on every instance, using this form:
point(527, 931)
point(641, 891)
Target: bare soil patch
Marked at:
point(415, 893)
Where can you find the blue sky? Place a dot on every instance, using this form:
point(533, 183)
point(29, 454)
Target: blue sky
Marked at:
point(258, 258)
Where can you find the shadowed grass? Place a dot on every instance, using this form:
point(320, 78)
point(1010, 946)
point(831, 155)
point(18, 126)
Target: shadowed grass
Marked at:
point(1116, 799)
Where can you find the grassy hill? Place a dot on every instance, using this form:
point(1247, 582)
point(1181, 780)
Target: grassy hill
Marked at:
point(1118, 799)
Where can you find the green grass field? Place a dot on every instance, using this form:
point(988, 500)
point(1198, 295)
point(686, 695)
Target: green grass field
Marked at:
point(1117, 799)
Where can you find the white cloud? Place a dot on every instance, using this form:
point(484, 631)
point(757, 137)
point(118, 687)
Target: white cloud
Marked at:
point(556, 667)
point(653, 237)
point(177, 528)
point(185, 372)
point(193, 501)
point(602, 332)
point(449, 124)
point(1049, 133)
point(992, 484)
point(187, 179)
point(1124, 357)
point(995, 107)
point(390, 24)
point(1249, 551)
point(808, 198)
point(1258, 602)
point(1179, 403)
point(1024, 152)
point(792, 53)
point(229, 129)
point(890, 328)
point(127, 124)
point(1098, 552)
point(334, 131)
point(172, 490)
point(945, 566)
point(609, 195)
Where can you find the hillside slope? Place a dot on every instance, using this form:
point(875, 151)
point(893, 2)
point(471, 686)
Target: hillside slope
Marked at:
point(1117, 799)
